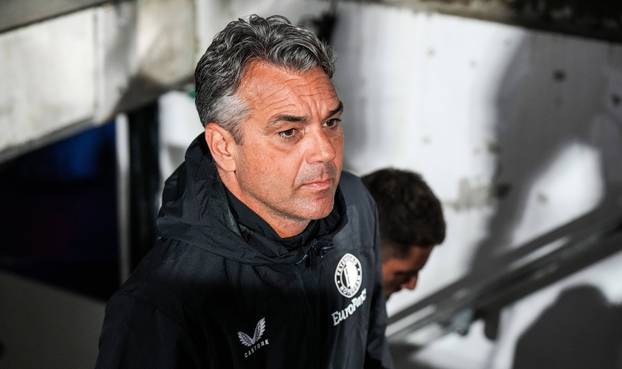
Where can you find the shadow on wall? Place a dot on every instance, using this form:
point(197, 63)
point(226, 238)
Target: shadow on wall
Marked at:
point(558, 150)
point(580, 330)
point(556, 100)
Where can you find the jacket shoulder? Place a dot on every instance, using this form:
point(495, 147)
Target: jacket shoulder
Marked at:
point(355, 192)
point(169, 277)
point(134, 327)
point(361, 212)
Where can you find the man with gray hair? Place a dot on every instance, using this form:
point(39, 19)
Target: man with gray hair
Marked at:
point(267, 254)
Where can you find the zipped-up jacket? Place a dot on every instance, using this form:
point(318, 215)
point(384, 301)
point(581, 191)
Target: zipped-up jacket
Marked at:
point(207, 297)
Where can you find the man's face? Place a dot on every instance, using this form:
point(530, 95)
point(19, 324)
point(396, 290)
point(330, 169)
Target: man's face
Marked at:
point(403, 272)
point(289, 160)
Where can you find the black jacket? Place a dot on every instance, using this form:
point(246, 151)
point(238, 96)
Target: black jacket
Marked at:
point(206, 297)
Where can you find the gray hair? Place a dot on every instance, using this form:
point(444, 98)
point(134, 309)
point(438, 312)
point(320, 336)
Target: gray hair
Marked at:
point(273, 39)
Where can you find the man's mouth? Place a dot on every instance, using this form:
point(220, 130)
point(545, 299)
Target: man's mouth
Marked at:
point(319, 185)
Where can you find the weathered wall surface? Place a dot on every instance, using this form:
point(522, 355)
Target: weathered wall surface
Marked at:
point(517, 131)
point(48, 78)
point(66, 73)
point(598, 19)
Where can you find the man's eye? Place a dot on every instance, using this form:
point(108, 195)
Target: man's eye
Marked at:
point(332, 123)
point(289, 133)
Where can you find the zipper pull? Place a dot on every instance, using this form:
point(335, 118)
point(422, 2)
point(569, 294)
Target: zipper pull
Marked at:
point(322, 247)
point(319, 248)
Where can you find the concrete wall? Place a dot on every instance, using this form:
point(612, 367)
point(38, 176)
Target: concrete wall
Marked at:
point(517, 131)
point(70, 72)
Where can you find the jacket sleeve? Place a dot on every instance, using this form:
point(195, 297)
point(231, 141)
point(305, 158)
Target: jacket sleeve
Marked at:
point(136, 334)
point(377, 355)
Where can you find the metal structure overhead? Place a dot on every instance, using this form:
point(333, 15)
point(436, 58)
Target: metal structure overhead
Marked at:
point(20, 13)
point(101, 58)
point(600, 20)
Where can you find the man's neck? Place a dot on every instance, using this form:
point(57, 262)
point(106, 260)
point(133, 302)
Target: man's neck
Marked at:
point(289, 229)
point(284, 226)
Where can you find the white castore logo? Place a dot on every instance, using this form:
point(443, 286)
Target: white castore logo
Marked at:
point(348, 275)
point(254, 343)
point(259, 331)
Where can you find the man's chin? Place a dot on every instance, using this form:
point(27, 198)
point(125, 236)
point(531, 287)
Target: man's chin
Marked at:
point(316, 207)
point(322, 212)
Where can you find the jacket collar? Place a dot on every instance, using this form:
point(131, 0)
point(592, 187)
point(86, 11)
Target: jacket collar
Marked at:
point(195, 210)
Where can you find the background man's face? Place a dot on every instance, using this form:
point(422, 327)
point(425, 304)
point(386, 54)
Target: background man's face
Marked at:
point(403, 272)
point(289, 162)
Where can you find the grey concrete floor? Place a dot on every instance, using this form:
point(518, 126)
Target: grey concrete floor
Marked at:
point(45, 327)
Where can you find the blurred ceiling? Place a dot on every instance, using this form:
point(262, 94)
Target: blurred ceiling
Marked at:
point(593, 19)
point(19, 13)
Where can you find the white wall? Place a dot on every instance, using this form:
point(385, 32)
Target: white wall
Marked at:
point(473, 105)
point(66, 73)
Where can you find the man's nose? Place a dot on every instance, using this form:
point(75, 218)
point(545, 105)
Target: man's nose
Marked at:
point(322, 147)
point(410, 284)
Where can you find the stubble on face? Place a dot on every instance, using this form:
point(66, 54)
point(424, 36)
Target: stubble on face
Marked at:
point(288, 181)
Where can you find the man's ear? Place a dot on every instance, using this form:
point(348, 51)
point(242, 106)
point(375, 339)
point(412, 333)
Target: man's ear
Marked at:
point(222, 146)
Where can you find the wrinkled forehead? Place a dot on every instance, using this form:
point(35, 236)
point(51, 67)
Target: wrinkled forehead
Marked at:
point(263, 82)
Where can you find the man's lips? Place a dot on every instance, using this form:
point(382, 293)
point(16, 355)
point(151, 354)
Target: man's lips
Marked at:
point(319, 185)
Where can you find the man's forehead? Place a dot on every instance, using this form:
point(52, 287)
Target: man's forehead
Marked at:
point(264, 80)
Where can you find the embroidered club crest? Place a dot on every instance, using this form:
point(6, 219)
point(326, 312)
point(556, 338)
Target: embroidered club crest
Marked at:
point(348, 275)
point(259, 331)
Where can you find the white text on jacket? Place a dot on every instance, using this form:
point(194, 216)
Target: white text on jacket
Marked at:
point(340, 316)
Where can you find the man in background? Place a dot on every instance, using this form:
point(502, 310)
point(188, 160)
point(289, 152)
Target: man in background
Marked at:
point(411, 224)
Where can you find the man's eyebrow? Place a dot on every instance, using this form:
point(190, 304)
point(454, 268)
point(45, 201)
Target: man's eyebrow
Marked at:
point(339, 109)
point(287, 118)
point(301, 119)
